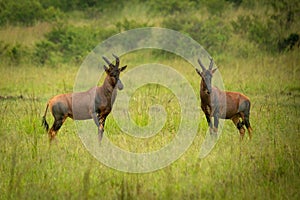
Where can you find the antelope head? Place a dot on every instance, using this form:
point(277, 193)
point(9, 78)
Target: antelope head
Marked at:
point(206, 74)
point(113, 71)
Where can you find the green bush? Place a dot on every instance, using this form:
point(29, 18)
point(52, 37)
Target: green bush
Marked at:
point(216, 7)
point(67, 5)
point(235, 2)
point(25, 12)
point(212, 34)
point(43, 51)
point(28, 12)
point(63, 5)
point(13, 54)
point(273, 32)
point(126, 24)
point(72, 44)
point(69, 44)
point(289, 43)
point(170, 7)
point(256, 31)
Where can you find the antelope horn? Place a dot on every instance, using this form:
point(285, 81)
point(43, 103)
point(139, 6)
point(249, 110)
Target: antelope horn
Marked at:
point(201, 65)
point(107, 61)
point(117, 60)
point(211, 64)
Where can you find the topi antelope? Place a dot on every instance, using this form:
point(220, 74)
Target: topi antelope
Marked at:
point(96, 103)
point(219, 104)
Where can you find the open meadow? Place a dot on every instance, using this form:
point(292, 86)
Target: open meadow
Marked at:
point(32, 70)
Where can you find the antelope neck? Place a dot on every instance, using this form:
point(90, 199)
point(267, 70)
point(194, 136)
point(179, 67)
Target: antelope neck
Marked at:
point(203, 86)
point(108, 85)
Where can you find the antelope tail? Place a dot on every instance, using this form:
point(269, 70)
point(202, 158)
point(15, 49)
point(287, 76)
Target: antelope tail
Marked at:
point(44, 121)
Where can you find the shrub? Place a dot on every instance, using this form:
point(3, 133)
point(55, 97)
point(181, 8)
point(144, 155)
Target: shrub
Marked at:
point(273, 32)
point(129, 24)
point(235, 2)
point(67, 5)
point(42, 52)
point(216, 7)
point(69, 44)
point(25, 12)
point(170, 7)
point(255, 31)
point(212, 34)
point(13, 54)
point(289, 43)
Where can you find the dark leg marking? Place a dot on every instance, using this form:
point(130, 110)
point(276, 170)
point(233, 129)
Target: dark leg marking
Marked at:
point(208, 120)
point(240, 125)
point(55, 127)
point(216, 121)
point(246, 114)
point(101, 127)
point(96, 118)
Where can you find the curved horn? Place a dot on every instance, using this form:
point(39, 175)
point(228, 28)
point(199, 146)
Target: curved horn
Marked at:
point(211, 64)
point(117, 60)
point(107, 61)
point(201, 65)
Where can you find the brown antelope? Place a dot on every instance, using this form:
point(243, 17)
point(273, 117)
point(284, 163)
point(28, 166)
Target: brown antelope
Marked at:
point(219, 104)
point(96, 103)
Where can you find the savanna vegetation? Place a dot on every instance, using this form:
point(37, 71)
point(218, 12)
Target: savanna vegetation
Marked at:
point(255, 45)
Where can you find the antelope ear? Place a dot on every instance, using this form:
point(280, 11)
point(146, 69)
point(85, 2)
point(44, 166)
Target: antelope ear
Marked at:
point(215, 69)
point(123, 68)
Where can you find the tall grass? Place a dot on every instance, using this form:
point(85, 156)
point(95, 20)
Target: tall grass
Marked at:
point(24, 35)
point(266, 167)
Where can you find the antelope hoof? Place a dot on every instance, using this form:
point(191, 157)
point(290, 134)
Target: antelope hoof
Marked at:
point(213, 131)
point(53, 140)
point(242, 133)
point(250, 132)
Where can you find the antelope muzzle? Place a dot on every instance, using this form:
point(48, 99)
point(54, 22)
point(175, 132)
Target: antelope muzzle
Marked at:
point(120, 85)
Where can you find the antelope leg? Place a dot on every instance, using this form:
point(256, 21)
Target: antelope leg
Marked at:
point(95, 118)
point(101, 128)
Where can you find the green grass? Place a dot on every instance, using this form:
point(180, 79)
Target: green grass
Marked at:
point(24, 35)
point(267, 167)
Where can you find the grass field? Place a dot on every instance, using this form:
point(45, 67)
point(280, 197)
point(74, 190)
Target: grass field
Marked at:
point(266, 167)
